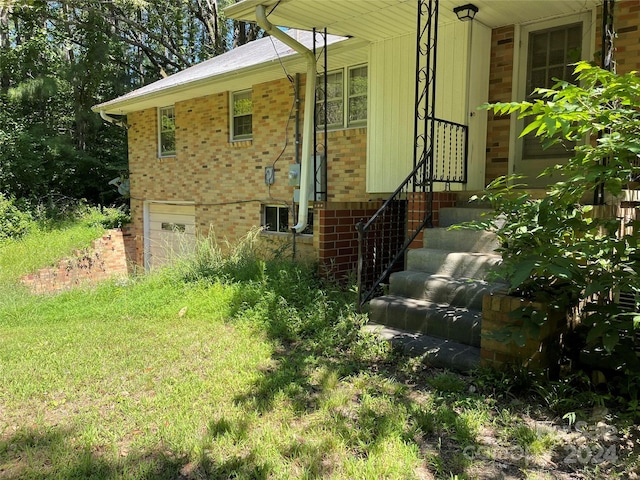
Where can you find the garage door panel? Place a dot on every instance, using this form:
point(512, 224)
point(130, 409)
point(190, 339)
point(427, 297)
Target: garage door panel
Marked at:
point(169, 225)
point(172, 232)
point(167, 208)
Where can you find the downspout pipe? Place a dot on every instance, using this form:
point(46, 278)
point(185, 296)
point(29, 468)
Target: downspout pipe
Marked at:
point(307, 126)
point(110, 119)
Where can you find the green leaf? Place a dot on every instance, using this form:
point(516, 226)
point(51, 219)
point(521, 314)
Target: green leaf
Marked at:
point(522, 272)
point(519, 337)
point(610, 339)
point(531, 127)
point(592, 288)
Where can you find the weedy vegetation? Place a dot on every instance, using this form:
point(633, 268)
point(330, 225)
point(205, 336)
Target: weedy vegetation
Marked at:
point(226, 365)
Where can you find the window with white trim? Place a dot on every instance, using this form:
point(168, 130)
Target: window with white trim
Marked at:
point(241, 115)
point(166, 131)
point(275, 218)
point(550, 57)
point(346, 97)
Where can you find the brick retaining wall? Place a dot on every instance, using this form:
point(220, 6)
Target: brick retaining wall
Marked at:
point(107, 257)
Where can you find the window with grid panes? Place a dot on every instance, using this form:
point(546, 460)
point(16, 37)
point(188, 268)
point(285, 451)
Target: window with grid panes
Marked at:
point(346, 98)
point(166, 131)
point(241, 115)
point(551, 53)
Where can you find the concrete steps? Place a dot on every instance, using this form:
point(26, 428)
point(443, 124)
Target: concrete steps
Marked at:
point(434, 307)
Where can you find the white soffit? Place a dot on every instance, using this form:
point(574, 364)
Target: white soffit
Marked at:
point(373, 20)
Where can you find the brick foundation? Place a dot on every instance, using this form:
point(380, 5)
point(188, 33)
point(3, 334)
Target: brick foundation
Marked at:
point(338, 237)
point(107, 257)
point(539, 353)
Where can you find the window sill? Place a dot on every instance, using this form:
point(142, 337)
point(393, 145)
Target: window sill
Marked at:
point(241, 143)
point(344, 131)
point(299, 238)
point(166, 157)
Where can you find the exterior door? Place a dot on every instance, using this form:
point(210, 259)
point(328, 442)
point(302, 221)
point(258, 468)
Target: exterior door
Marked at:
point(547, 53)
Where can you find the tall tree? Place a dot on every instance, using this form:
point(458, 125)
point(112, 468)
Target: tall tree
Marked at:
point(58, 58)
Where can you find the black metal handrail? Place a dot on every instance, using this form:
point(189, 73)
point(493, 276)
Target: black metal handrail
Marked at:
point(385, 237)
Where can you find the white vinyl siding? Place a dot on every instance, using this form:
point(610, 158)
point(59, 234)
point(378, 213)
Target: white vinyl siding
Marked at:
point(392, 110)
point(391, 113)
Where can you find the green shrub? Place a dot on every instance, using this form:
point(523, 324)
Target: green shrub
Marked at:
point(558, 249)
point(14, 223)
point(106, 217)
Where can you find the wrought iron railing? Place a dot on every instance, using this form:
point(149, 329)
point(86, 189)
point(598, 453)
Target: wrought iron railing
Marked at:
point(385, 237)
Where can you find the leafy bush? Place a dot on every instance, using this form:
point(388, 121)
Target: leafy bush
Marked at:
point(14, 223)
point(558, 249)
point(106, 217)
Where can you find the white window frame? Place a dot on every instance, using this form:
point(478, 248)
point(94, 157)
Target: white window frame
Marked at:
point(521, 54)
point(278, 227)
point(346, 96)
point(308, 231)
point(233, 136)
point(161, 131)
point(349, 96)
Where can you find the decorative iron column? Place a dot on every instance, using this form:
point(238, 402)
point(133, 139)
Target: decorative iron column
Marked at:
point(608, 34)
point(424, 124)
point(607, 63)
point(320, 149)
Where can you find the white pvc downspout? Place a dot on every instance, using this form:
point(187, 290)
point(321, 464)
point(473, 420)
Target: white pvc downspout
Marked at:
point(307, 125)
point(110, 119)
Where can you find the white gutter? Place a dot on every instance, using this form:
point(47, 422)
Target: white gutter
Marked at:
point(110, 119)
point(307, 125)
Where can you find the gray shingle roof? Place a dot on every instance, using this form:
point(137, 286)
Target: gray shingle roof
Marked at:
point(259, 52)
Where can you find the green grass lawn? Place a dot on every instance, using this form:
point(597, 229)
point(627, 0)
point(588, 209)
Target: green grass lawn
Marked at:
point(237, 368)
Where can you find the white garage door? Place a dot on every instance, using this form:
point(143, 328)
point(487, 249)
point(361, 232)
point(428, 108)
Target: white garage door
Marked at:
point(171, 232)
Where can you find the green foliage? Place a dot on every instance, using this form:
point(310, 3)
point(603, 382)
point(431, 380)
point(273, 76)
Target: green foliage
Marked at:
point(558, 249)
point(51, 234)
point(58, 59)
point(14, 223)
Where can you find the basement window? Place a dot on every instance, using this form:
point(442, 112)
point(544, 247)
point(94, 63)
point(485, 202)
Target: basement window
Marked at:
point(275, 218)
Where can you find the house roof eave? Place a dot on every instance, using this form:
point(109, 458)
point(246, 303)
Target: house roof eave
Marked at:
point(235, 79)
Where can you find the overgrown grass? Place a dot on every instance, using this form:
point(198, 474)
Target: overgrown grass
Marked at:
point(228, 366)
point(50, 240)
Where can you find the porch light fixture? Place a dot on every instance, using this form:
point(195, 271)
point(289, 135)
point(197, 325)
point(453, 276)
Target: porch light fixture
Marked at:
point(466, 13)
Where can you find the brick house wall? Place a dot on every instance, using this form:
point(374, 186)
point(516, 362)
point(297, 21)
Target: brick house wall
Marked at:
point(500, 86)
point(627, 57)
point(225, 179)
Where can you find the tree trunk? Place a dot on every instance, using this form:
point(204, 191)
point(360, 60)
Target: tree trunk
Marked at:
point(5, 9)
